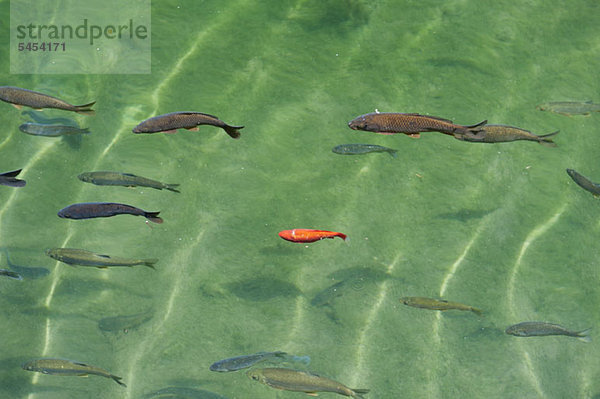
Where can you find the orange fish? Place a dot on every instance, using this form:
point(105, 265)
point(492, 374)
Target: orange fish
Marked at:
point(309, 235)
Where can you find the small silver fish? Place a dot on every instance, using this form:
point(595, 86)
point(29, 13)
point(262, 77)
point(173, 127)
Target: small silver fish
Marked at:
point(65, 367)
point(357, 149)
point(103, 178)
point(40, 129)
point(82, 257)
point(244, 361)
point(569, 108)
point(542, 329)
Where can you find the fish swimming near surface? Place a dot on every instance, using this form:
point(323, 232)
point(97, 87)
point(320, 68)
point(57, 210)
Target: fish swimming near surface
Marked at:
point(309, 235)
point(584, 182)
point(302, 381)
point(124, 179)
point(244, 361)
point(9, 179)
point(504, 133)
point(22, 97)
point(82, 257)
point(40, 129)
point(409, 124)
point(542, 329)
point(65, 367)
point(358, 149)
point(89, 210)
point(569, 108)
point(169, 123)
point(437, 304)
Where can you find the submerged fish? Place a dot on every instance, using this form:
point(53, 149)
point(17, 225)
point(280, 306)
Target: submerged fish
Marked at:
point(88, 210)
point(9, 179)
point(504, 133)
point(309, 235)
point(124, 323)
point(357, 149)
point(10, 274)
point(19, 97)
point(182, 393)
point(124, 179)
point(244, 361)
point(169, 123)
point(40, 129)
point(541, 329)
point(302, 381)
point(82, 257)
point(28, 272)
point(68, 368)
point(437, 304)
point(584, 182)
point(570, 107)
point(410, 124)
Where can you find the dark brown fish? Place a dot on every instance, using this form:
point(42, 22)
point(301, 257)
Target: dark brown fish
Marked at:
point(9, 179)
point(88, 210)
point(505, 133)
point(169, 123)
point(584, 182)
point(22, 97)
point(543, 329)
point(410, 124)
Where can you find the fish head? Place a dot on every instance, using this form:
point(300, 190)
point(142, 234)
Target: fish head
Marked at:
point(53, 253)
point(256, 375)
point(85, 177)
point(359, 123)
point(65, 213)
point(29, 366)
point(515, 330)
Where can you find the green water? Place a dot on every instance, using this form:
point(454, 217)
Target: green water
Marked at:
point(498, 226)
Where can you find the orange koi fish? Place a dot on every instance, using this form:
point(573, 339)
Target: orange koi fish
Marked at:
point(309, 235)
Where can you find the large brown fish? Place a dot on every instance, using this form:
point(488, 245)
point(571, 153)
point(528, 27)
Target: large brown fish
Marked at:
point(22, 97)
point(437, 304)
point(301, 381)
point(410, 124)
point(88, 210)
point(584, 182)
point(505, 133)
point(169, 123)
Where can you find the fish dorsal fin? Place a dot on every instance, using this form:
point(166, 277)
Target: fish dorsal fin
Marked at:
point(104, 256)
point(81, 364)
point(198, 113)
point(443, 300)
point(437, 118)
point(129, 174)
point(12, 174)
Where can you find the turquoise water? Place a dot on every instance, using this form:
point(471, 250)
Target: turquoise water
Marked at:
point(499, 226)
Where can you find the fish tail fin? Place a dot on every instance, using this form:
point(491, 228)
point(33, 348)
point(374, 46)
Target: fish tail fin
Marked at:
point(343, 236)
point(544, 140)
point(171, 187)
point(153, 217)
point(477, 125)
point(358, 393)
point(477, 311)
point(150, 263)
point(13, 173)
point(393, 153)
point(86, 130)
point(232, 131)
point(585, 335)
point(85, 109)
point(118, 380)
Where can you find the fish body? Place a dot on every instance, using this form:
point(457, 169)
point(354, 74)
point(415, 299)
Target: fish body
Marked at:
point(542, 329)
point(189, 120)
point(9, 179)
point(309, 235)
point(357, 149)
point(437, 304)
point(301, 381)
point(81, 257)
point(182, 393)
point(23, 97)
point(124, 323)
point(40, 129)
point(505, 133)
point(103, 178)
point(68, 368)
point(584, 182)
point(410, 124)
point(570, 107)
point(88, 210)
point(244, 361)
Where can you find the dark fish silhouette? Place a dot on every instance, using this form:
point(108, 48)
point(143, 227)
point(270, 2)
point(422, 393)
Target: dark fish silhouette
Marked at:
point(22, 97)
point(358, 149)
point(584, 182)
point(9, 179)
point(410, 124)
point(88, 210)
point(169, 123)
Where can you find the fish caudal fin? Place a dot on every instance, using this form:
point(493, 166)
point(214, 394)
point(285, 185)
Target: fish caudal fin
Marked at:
point(171, 187)
point(585, 335)
point(232, 131)
point(358, 393)
point(150, 263)
point(342, 236)
point(85, 130)
point(118, 380)
point(393, 153)
point(476, 126)
point(544, 140)
point(153, 217)
point(478, 312)
point(14, 173)
point(85, 109)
